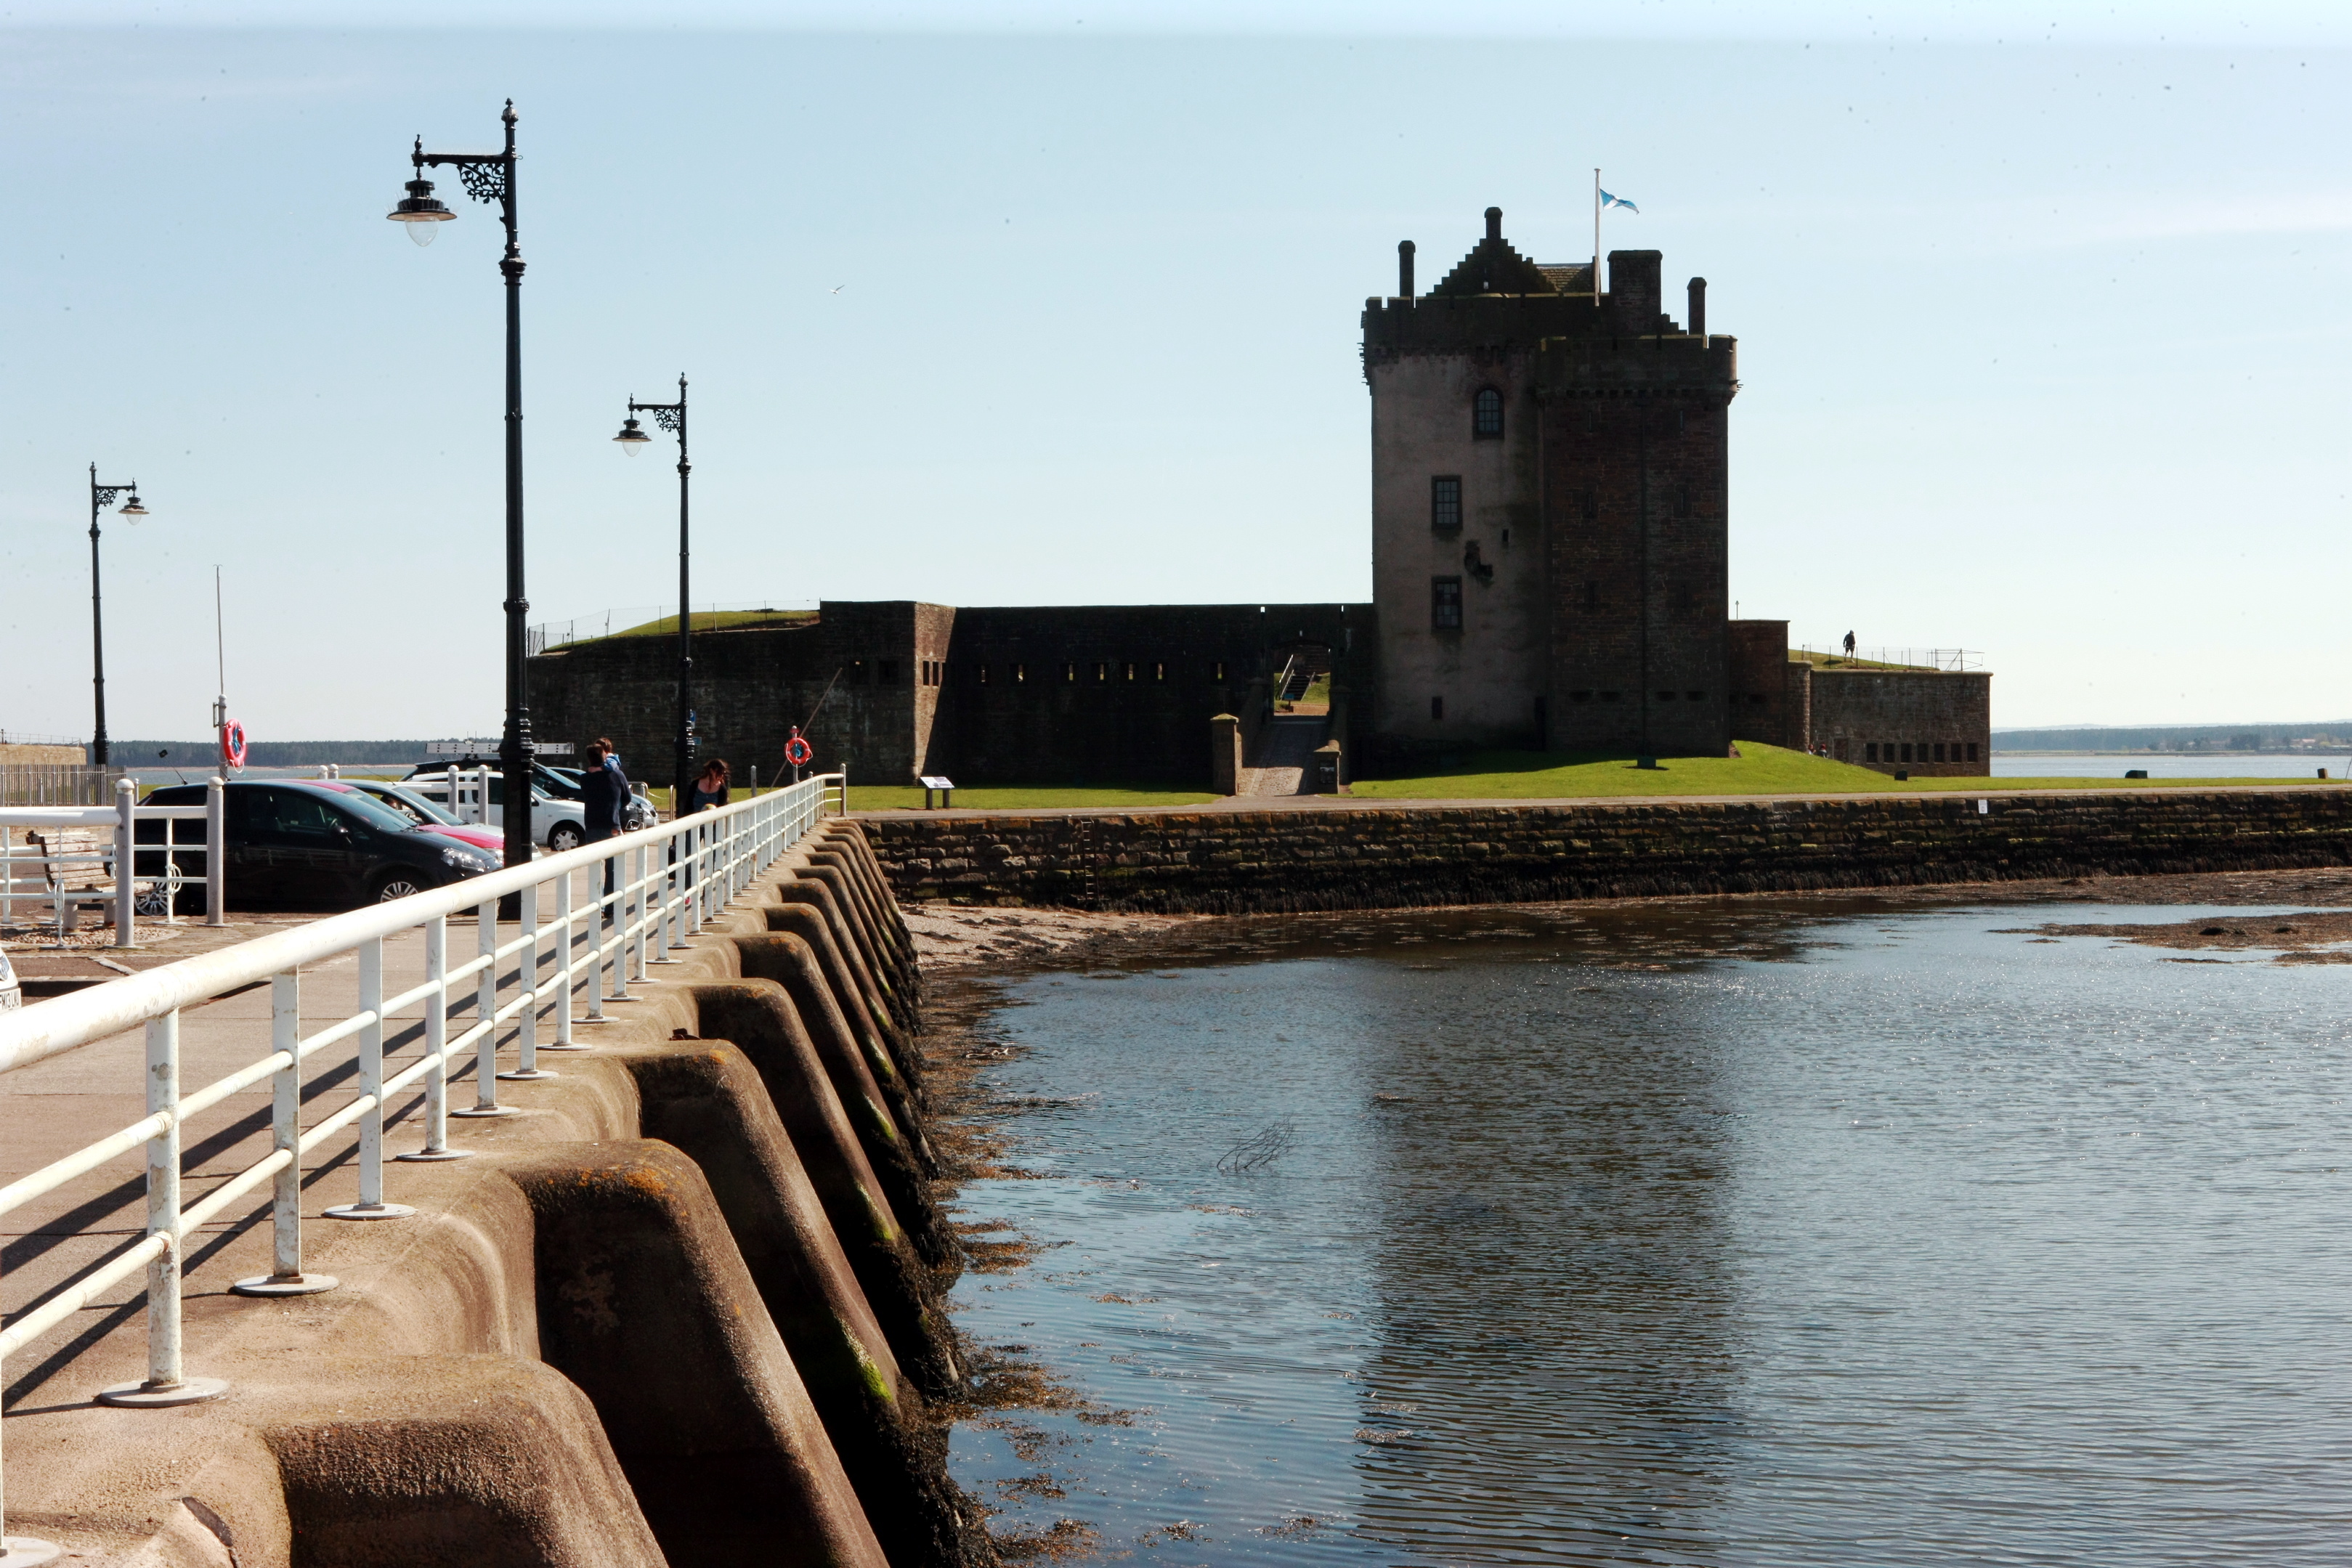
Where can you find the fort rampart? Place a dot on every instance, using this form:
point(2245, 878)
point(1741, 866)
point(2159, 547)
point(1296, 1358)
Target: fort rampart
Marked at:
point(1399, 856)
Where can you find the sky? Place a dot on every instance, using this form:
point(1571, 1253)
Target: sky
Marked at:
point(2039, 312)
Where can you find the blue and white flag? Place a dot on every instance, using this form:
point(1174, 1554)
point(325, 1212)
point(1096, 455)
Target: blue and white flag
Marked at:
point(1608, 201)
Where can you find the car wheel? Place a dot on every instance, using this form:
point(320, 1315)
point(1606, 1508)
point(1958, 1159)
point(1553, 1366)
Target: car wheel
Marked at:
point(396, 884)
point(565, 836)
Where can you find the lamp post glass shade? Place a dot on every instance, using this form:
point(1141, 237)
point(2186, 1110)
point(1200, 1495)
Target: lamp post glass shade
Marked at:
point(420, 212)
point(631, 437)
point(132, 508)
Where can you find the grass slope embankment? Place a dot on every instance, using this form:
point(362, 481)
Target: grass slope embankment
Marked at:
point(1759, 769)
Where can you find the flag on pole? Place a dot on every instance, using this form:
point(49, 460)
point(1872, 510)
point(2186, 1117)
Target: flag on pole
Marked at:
point(1608, 201)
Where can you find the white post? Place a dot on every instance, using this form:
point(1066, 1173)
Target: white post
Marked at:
point(165, 1384)
point(7, 899)
point(564, 963)
point(371, 1205)
point(286, 1277)
point(486, 1006)
point(126, 899)
point(527, 1065)
point(436, 1047)
point(216, 852)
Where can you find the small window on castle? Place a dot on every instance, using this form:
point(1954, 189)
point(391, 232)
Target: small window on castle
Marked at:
point(1069, 671)
point(1486, 414)
point(1972, 751)
point(1158, 672)
point(1592, 422)
point(1445, 603)
point(889, 675)
point(1579, 696)
point(1437, 708)
point(1592, 598)
point(1683, 503)
point(1694, 696)
point(1220, 674)
point(1684, 599)
point(1870, 752)
point(1665, 697)
point(1102, 672)
point(1939, 751)
point(1610, 696)
point(1907, 751)
point(981, 671)
point(1590, 502)
point(1446, 502)
point(1021, 672)
point(1130, 670)
point(857, 672)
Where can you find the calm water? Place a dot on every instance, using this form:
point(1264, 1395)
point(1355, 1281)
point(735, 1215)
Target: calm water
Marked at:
point(1729, 1237)
point(2042, 765)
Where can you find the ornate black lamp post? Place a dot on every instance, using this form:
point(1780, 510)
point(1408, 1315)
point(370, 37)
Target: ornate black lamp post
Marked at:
point(490, 177)
point(671, 416)
point(100, 497)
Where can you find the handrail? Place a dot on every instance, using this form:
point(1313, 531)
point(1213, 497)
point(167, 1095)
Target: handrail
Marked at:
point(660, 883)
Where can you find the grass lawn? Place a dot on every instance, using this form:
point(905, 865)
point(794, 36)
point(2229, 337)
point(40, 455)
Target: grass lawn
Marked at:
point(1759, 770)
point(1019, 798)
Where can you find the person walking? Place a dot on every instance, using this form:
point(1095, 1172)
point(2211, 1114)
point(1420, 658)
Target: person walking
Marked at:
point(603, 799)
point(1848, 645)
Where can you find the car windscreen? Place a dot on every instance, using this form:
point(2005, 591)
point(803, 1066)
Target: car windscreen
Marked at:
point(358, 803)
point(409, 800)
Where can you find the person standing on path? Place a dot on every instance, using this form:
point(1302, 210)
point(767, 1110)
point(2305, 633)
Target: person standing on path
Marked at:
point(1848, 645)
point(604, 797)
point(710, 790)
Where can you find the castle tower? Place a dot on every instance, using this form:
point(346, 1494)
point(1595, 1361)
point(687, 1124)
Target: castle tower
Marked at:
point(1549, 508)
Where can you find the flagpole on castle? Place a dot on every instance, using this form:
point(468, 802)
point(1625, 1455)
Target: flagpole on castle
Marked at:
point(1596, 239)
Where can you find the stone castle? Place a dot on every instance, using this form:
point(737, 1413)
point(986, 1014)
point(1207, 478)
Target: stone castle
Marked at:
point(1550, 515)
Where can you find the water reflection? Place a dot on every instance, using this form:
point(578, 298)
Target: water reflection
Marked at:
point(1705, 1234)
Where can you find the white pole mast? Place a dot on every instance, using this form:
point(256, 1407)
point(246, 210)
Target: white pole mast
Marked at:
point(1596, 239)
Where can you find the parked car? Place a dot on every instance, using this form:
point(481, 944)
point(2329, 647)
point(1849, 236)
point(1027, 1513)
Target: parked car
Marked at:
point(559, 824)
point(562, 784)
point(297, 842)
point(422, 812)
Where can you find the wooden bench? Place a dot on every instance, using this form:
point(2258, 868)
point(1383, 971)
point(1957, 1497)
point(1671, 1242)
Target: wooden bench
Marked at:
point(78, 870)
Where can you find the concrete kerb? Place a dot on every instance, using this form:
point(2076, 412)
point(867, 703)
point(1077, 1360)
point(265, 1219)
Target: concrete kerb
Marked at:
point(442, 1311)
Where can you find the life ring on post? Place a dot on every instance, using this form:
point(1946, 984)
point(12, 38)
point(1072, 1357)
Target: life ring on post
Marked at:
point(232, 742)
point(797, 751)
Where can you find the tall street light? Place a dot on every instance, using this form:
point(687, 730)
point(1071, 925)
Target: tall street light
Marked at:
point(671, 416)
point(490, 177)
point(100, 497)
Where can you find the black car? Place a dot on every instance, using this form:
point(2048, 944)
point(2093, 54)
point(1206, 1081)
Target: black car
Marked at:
point(293, 842)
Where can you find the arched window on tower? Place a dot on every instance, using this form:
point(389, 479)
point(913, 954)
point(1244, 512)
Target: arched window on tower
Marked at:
point(1487, 415)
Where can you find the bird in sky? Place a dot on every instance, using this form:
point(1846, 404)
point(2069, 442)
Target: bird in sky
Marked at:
point(837, 288)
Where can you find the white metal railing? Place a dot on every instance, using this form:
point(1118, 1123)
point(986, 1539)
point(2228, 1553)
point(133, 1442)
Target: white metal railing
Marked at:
point(119, 859)
point(643, 894)
point(1951, 661)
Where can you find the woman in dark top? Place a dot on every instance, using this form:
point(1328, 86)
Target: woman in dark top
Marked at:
point(710, 789)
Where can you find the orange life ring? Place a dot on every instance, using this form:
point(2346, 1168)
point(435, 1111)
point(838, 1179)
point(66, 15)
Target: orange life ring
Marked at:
point(797, 751)
point(233, 744)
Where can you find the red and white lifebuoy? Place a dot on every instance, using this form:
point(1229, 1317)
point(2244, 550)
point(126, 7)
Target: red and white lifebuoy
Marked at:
point(797, 751)
point(233, 744)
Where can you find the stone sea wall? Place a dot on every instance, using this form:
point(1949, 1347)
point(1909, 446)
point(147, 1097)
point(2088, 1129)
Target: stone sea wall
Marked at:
point(1222, 861)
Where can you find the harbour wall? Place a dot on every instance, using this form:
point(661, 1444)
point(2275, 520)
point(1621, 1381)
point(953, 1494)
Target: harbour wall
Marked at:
point(1351, 856)
point(682, 1305)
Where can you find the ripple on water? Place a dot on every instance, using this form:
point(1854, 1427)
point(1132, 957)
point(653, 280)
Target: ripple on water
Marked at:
point(1741, 1236)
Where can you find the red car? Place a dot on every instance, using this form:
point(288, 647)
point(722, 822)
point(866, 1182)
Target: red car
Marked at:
point(418, 810)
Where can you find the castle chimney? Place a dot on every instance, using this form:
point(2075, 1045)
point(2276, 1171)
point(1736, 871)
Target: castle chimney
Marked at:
point(1698, 307)
point(1404, 269)
point(1494, 222)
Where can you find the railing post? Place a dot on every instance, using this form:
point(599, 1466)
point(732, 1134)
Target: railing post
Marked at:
point(565, 964)
point(527, 1065)
point(216, 852)
point(486, 1008)
point(670, 880)
point(126, 899)
point(436, 1048)
point(165, 1384)
point(371, 1205)
point(286, 1277)
point(636, 907)
point(8, 882)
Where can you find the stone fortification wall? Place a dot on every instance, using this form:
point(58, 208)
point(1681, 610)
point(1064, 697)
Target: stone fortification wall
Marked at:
point(1930, 723)
point(1224, 861)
